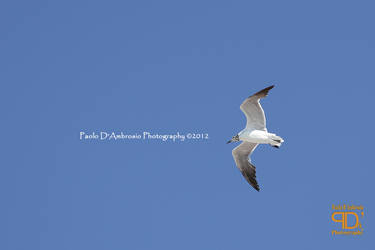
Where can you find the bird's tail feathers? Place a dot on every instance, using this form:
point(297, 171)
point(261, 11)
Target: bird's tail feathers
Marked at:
point(275, 140)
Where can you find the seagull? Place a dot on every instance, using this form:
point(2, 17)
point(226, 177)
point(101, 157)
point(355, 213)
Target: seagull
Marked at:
point(255, 133)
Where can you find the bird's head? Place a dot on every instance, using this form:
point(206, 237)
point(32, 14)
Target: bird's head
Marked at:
point(234, 138)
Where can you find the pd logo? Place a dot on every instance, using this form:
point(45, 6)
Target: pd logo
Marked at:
point(348, 217)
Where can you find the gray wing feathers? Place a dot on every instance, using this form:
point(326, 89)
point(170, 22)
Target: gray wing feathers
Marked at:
point(253, 111)
point(241, 157)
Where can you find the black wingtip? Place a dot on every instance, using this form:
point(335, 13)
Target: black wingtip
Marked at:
point(253, 182)
point(268, 88)
point(263, 93)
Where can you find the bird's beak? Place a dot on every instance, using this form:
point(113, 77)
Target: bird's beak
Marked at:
point(229, 141)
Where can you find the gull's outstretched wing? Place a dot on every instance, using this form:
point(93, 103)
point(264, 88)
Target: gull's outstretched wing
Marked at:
point(253, 111)
point(241, 157)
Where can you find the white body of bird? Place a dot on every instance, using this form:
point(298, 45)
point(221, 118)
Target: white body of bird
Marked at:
point(260, 137)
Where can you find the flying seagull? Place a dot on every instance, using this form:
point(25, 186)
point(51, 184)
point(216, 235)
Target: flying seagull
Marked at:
point(255, 133)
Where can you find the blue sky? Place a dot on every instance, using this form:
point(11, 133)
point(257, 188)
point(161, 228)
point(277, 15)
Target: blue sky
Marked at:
point(168, 66)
